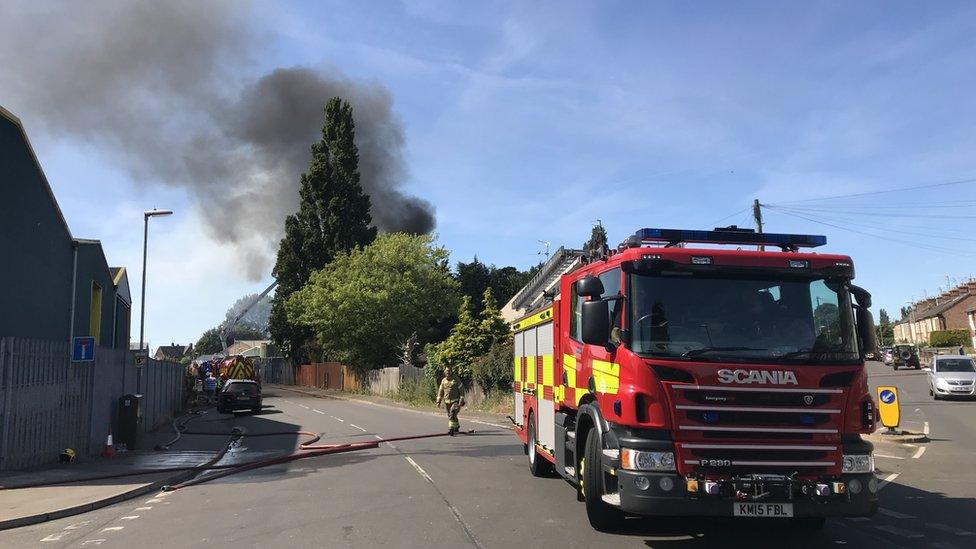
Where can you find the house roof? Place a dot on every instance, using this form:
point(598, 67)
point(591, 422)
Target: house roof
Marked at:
point(172, 351)
point(936, 310)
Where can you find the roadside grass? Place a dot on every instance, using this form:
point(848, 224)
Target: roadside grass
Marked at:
point(418, 393)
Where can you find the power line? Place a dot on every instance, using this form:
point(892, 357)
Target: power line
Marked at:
point(882, 237)
point(871, 193)
point(869, 213)
point(918, 232)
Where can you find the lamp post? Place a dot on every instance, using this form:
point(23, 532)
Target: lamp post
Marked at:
point(142, 308)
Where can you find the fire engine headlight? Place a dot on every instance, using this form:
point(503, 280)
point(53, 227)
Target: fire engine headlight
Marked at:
point(640, 460)
point(859, 463)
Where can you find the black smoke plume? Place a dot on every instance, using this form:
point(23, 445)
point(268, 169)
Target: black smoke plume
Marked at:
point(162, 88)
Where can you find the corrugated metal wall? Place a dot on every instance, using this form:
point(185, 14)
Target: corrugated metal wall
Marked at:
point(48, 403)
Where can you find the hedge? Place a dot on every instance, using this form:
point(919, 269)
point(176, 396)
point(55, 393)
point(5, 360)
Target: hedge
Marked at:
point(948, 338)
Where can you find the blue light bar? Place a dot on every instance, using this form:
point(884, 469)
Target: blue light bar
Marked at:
point(731, 236)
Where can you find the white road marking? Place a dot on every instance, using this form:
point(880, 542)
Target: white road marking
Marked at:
point(303, 406)
point(318, 411)
point(884, 482)
point(489, 423)
point(130, 517)
point(419, 469)
point(357, 426)
point(919, 452)
point(899, 532)
point(54, 537)
point(153, 500)
point(93, 541)
point(144, 508)
point(918, 409)
point(76, 525)
point(894, 514)
point(949, 529)
point(339, 419)
point(925, 428)
point(887, 456)
point(112, 528)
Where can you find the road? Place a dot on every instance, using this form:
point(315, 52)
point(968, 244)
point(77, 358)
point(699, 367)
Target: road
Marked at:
point(475, 491)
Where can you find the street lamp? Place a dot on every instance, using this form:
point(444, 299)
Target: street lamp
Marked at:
point(142, 309)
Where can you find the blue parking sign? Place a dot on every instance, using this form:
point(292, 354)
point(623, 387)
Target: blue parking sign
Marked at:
point(83, 349)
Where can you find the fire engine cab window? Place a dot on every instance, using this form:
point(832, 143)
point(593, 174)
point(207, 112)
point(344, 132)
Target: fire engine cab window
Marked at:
point(736, 319)
point(575, 314)
point(611, 287)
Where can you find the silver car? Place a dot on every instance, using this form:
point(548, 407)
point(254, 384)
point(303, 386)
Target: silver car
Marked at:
point(952, 375)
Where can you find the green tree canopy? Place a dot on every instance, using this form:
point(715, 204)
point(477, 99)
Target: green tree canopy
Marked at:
point(475, 277)
point(492, 326)
point(333, 217)
point(597, 244)
point(367, 302)
point(883, 317)
point(256, 318)
point(471, 337)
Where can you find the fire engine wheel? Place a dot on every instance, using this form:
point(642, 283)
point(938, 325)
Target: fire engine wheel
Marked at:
point(602, 516)
point(538, 465)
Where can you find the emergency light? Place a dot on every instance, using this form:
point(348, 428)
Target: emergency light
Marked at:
point(731, 235)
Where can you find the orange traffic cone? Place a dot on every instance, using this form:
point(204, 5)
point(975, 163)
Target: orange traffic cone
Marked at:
point(109, 449)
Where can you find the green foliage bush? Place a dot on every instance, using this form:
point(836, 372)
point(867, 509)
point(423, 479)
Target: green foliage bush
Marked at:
point(948, 338)
point(495, 370)
point(470, 338)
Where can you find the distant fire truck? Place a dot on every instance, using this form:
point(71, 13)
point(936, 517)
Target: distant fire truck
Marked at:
point(666, 379)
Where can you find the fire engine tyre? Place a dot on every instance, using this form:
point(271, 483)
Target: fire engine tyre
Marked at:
point(602, 516)
point(809, 524)
point(538, 465)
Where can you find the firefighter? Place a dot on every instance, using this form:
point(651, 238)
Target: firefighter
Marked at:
point(451, 394)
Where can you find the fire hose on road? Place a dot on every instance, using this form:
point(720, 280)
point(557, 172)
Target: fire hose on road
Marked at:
point(306, 449)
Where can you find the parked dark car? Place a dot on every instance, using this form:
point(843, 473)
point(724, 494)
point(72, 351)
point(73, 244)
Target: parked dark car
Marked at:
point(904, 356)
point(238, 394)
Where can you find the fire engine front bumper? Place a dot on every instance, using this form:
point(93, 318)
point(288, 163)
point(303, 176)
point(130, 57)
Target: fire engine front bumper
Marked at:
point(667, 494)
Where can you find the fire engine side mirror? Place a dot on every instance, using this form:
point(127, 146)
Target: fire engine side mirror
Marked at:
point(590, 286)
point(596, 321)
point(866, 331)
point(862, 296)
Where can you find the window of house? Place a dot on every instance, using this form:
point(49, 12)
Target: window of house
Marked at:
point(95, 315)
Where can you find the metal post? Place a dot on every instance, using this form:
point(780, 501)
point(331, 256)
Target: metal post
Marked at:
point(142, 307)
point(757, 214)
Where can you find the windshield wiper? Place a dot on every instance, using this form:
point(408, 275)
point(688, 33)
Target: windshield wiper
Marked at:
point(703, 350)
point(811, 352)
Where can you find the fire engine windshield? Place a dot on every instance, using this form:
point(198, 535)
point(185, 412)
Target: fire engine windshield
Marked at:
point(690, 316)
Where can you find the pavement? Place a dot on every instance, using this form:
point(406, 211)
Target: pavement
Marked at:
point(475, 490)
point(23, 506)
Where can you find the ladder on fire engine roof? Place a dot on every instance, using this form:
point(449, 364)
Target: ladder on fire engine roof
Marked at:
point(544, 286)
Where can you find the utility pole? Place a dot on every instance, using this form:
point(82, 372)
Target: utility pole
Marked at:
point(757, 214)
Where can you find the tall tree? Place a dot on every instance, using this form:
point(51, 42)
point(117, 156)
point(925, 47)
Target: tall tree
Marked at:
point(597, 244)
point(883, 317)
point(493, 327)
point(333, 216)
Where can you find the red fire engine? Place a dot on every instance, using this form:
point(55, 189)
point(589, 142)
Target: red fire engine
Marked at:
point(667, 379)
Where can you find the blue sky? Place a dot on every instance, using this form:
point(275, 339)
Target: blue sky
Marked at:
point(529, 121)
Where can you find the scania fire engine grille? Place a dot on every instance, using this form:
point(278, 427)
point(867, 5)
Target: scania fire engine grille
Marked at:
point(733, 430)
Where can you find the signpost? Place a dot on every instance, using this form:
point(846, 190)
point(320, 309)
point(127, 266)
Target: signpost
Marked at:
point(83, 349)
point(888, 407)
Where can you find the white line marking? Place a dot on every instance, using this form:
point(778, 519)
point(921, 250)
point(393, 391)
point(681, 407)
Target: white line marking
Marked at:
point(489, 423)
point(339, 419)
point(419, 469)
point(918, 409)
point(886, 480)
point(144, 508)
point(303, 406)
point(318, 411)
point(894, 514)
point(130, 517)
point(112, 528)
point(887, 456)
point(93, 541)
point(76, 525)
point(54, 537)
point(899, 532)
point(357, 426)
point(925, 428)
point(153, 500)
point(949, 529)
point(918, 453)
